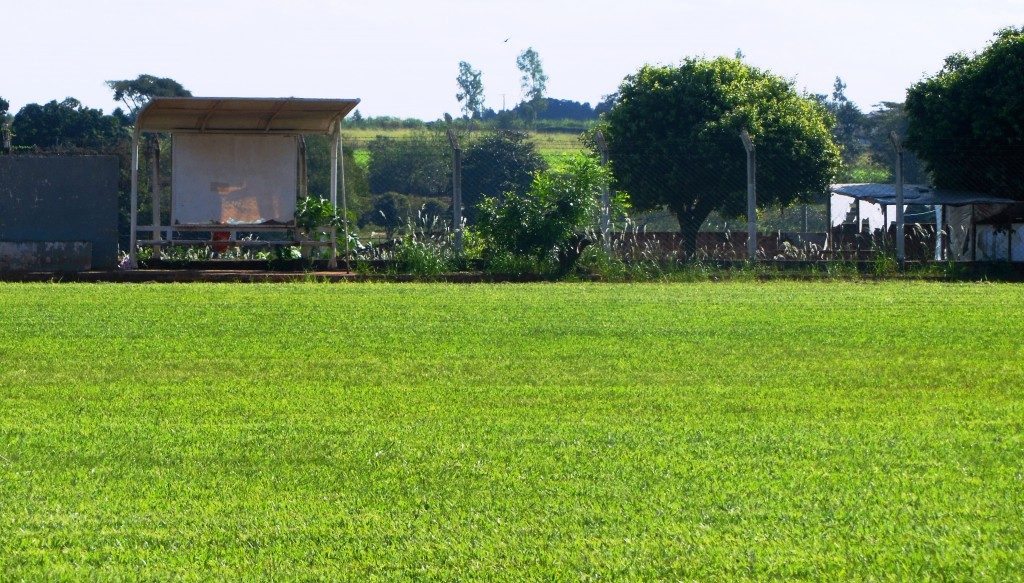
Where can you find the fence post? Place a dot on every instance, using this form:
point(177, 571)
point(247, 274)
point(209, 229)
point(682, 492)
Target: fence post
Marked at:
point(5, 133)
point(897, 145)
point(606, 197)
point(456, 190)
point(332, 262)
point(748, 145)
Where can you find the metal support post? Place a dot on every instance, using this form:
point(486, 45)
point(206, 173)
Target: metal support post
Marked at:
point(154, 187)
point(456, 190)
point(606, 198)
point(748, 145)
point(333, 261)
point(901, 255)
point(133, 211)
point(344, 199)
point(828, 223)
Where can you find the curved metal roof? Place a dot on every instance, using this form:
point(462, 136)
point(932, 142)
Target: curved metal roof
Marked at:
point(239, 115)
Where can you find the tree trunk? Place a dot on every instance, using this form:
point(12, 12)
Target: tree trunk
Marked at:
point(690, 221)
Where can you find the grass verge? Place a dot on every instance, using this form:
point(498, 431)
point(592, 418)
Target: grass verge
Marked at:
point(549, 431)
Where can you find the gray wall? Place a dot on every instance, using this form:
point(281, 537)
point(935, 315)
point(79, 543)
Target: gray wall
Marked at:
point(61, 198)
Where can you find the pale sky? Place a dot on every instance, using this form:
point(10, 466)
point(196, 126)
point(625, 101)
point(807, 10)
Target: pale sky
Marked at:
point(401, 56)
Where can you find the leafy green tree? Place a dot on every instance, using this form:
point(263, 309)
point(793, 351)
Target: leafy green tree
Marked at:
point(471, 90)
point(501, 162)
point(390, 210)
point(414, 164)
point(433, 211)
point(848, 130)
point(533, 80)
point(4, 107)
point(965, 122)
point(878, 125)
point(66, 125)
point(673, 138)
point(135, 93)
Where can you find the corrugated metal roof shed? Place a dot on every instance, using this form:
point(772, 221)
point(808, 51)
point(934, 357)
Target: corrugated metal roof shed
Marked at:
point(288, 115)
point(915, 194)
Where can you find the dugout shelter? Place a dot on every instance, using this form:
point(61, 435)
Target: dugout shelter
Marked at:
point(237, 165)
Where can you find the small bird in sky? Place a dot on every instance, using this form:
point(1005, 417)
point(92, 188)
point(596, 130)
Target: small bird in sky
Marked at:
point(506, 40)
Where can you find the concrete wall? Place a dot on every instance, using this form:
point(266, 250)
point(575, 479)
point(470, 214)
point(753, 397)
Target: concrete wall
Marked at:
point(69, 199)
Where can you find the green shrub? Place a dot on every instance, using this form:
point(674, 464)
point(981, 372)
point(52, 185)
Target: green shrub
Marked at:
point(595, 261)
point(423, 258)
point(505, 263)
point(313, 212)
point(547, 219)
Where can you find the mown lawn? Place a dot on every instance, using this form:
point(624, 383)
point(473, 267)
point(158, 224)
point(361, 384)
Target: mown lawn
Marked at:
point(559, 431)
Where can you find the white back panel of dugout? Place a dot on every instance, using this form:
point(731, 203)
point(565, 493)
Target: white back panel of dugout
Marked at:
point(233, 178)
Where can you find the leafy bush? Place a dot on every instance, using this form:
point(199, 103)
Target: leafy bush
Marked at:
point(314, 212)
point(595, 261)
point(505, 263)
point(548, 219)
point(390, 210)
point(421, 257)
point(504, 161)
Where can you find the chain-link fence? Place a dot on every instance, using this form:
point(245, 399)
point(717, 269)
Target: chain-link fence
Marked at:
point(705, 204)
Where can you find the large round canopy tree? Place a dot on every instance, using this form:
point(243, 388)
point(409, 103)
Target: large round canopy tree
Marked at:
point(967, 121)
point(673, 140)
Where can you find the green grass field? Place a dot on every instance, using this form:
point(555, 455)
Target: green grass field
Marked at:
point(519, 432)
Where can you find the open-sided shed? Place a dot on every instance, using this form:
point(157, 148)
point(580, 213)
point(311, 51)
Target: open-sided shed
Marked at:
point(971, 220)
point(236, 164)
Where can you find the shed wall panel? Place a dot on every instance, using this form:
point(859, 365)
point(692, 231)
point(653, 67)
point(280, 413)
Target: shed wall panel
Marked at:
point(225, 178)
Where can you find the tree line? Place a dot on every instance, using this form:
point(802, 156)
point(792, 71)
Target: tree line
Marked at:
point(672, 137)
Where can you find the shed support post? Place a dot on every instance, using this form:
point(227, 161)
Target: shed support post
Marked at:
point(154, 187)
point(748, 144)
point(901, 255)
point(938, 232)
point(335, 136)
point(133, 211)
point(344, 197)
